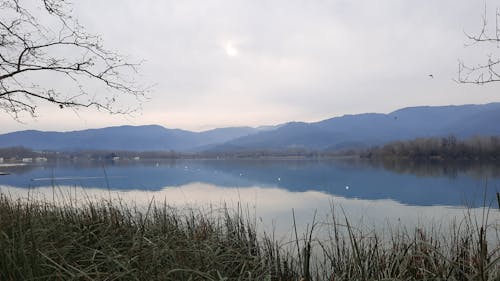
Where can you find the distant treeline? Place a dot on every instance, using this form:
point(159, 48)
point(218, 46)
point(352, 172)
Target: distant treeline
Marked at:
point(264, 153)
point(22, 152)
point(19, 152)
point(110, 155)
point(257, 153)
point(446, 148)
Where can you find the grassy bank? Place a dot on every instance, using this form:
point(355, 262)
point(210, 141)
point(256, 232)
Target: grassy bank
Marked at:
point(111, 241)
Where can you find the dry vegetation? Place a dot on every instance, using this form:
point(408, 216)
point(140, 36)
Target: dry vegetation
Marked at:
point(111, 241)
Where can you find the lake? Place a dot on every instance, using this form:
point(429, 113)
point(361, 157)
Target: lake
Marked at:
point(372, 192)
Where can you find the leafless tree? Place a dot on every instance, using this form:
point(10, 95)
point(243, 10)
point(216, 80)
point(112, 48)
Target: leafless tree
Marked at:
point(47, 56)
point(488, 71)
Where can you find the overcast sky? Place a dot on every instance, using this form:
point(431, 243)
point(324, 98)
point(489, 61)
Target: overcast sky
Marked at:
point(217, 63)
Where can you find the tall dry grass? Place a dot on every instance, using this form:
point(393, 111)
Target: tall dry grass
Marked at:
point(112, 241)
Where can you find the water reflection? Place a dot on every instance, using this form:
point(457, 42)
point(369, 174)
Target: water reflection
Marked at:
point(271, 206)
point(474, 169)
point(409, 184)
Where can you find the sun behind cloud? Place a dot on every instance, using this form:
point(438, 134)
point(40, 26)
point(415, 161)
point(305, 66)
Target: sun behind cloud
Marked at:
point(231, 49)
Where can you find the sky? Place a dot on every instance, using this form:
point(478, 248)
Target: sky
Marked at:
point(219, 63)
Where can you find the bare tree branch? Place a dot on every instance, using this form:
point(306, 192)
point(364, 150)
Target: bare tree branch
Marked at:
point(65, 67)
point(486, 72)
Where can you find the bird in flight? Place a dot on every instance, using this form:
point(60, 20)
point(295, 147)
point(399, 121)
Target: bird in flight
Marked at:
point(431, 75)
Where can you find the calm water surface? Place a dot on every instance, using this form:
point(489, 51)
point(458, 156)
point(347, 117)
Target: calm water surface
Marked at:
point(423, 185)
point(373, 192)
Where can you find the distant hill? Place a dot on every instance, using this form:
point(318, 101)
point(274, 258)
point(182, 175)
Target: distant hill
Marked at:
point(134, 138)
point(348, 131)
point(362, 130)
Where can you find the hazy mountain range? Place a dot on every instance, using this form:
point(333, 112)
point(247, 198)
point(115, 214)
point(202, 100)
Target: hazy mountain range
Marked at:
point(348, 131)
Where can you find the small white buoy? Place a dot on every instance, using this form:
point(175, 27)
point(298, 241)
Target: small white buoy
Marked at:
point(241, 174)
point(279, 179)
point(346, 187)
point(157, 164)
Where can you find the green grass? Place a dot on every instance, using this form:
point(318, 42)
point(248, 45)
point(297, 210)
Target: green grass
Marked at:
point(112, 241)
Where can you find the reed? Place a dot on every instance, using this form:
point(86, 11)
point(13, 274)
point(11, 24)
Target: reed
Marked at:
point(109, 240)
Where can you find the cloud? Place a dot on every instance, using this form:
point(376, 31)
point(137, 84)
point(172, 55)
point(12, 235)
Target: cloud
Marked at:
point(224, 62)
